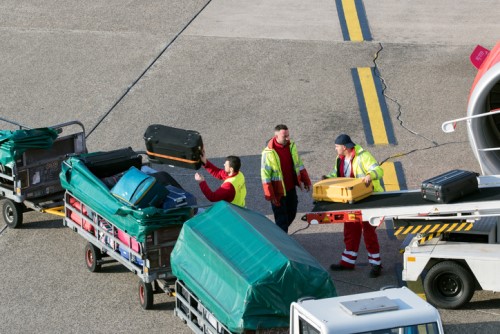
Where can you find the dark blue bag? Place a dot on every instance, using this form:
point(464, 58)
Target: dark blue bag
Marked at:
point(178, 198)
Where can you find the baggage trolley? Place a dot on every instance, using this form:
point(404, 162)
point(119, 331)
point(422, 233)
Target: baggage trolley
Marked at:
point(150, 260)
point(32, 183)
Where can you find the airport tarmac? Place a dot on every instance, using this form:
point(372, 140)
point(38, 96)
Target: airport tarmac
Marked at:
point(231, 70)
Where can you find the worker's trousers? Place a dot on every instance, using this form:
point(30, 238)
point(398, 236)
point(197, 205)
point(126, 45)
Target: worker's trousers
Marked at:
point(352, 239)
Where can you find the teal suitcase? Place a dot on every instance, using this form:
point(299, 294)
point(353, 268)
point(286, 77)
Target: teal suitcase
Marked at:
point(139, 189)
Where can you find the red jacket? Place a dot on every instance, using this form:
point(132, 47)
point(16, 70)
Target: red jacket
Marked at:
point(226, 191)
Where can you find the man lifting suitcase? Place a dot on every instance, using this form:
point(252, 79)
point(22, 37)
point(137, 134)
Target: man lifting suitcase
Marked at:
point(233, 189)
point(353, 161)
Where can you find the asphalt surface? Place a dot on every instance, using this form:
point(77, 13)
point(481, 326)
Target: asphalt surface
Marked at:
point(231, 70)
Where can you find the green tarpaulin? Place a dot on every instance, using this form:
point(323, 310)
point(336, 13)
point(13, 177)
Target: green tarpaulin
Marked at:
point(245, 269)
point(138, 223)
point(14, 143)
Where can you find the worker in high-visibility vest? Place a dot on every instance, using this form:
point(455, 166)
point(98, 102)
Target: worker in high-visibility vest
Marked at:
point(353, 161)
point(233, 189)
point(281, 171)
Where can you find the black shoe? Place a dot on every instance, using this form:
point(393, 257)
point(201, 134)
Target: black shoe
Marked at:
point(376, 271)
point(339, 267)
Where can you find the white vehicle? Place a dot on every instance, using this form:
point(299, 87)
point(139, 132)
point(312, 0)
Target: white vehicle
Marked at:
point(456, 264)
point(393, 310)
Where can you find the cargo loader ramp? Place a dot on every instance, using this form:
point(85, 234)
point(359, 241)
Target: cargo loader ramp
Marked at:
point(410, 213)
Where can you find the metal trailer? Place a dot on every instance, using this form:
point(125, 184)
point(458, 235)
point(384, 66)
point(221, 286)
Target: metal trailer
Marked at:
point(150, 260)
point(454, 248)
point(33, 182)
point(200, 320)
point(194, 314)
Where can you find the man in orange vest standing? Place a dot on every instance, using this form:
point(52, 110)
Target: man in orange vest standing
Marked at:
point(232, 190)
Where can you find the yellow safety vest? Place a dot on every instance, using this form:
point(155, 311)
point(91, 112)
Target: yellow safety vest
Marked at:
point(240, 188)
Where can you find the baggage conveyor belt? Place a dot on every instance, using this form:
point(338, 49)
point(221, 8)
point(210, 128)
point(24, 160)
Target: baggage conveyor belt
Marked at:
point(407, 205)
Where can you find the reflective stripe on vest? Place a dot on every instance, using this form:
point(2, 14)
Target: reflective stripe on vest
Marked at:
point(240, 189)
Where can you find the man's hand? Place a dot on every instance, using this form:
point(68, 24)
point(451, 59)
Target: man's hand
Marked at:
point(203, 158)
point(275, 202)
point(307, 187)
point(199, 178)
point(367, 180)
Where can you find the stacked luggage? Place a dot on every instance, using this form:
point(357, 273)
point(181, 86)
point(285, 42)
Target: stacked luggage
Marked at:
point(117, 204)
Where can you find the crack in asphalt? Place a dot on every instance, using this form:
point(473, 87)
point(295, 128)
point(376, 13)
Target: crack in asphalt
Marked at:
point(400, 114)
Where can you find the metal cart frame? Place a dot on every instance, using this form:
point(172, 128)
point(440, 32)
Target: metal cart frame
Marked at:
point(33, 182)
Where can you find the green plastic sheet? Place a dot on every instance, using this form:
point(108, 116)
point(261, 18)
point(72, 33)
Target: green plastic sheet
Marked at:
point(83, 184)
point(245, 269)
point(14, 143)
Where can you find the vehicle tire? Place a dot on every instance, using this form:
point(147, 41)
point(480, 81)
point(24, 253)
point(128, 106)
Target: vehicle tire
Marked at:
point(92, 256)
point(12, 213)
point(449, 285)
point(145, 295)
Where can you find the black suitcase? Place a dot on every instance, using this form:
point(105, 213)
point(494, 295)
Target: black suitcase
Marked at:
point(173, 146)
point(105, 164)
point(449, 186)
point(166, 179)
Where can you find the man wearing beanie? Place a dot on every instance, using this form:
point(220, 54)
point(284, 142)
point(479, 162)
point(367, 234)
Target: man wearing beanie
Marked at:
point(353, 161)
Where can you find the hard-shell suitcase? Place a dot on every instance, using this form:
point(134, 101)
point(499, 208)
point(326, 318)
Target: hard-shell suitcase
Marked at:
point(126, 254)
point(173, 146)
point(177, 198)
point(341, 189)
point(449, 186)
point(105, 164)
point(139, 189)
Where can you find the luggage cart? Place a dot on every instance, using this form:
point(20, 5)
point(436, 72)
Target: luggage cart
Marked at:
point(150, 260)
point(32, 183)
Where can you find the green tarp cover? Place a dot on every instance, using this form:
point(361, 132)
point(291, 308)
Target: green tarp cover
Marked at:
point(14, 143)
point(245, 269)
point(83, 184)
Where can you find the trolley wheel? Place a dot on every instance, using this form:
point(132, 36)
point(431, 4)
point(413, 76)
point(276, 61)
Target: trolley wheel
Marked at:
point(12, 213)
point(92, 256)
point(145, 295)
point(448, 285)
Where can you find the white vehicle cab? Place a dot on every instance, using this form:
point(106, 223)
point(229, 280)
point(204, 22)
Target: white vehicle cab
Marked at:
point(393, 310)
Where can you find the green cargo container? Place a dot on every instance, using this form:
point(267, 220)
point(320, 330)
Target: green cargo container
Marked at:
point(14, 143)
point(245, 269)
point(82, 183)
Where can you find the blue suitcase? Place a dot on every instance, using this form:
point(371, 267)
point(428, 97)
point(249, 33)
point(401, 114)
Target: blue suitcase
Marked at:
point(177, 198)
point(139, 189)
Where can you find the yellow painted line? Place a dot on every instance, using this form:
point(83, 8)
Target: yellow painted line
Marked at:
point(443, 228)
point(372, 106)
point(352, 20)
point(391, 182)
point(408, 230)
point(417, 228)
point(434, 228)
point(426, 228)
